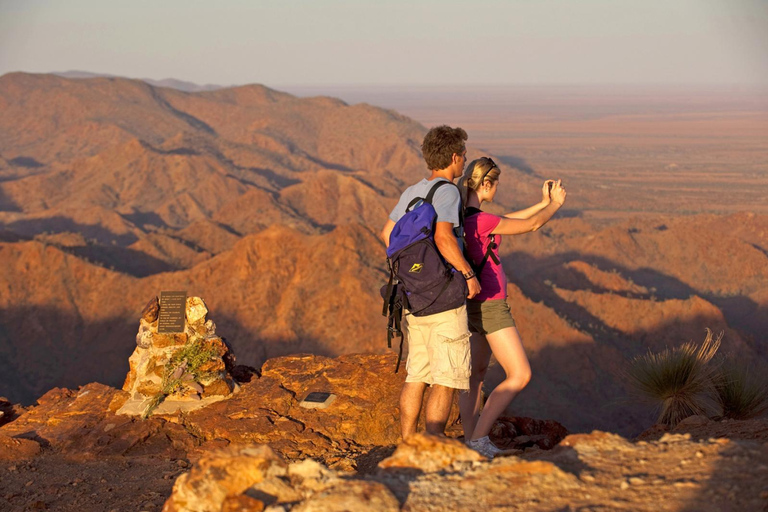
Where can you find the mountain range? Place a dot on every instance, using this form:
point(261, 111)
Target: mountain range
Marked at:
point(268, 206)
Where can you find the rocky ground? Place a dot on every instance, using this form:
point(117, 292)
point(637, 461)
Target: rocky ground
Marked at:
point(596, 472)
point(261, 451)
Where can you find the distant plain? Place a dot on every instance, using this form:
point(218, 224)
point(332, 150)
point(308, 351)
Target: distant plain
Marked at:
point(621, 150)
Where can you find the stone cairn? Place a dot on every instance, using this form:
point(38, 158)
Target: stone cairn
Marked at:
point(177, 371)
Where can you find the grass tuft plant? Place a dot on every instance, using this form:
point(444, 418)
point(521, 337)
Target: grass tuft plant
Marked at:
point(678, 380)
point(740, 392)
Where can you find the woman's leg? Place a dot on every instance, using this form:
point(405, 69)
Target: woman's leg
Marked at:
point(508, 349)
point(469, 402)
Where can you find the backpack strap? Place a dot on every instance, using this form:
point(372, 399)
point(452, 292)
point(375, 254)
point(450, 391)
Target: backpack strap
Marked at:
point(489, 254)
point(394, 308)
point(430, 195)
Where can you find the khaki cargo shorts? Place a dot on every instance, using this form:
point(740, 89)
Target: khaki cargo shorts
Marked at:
point(438, 349)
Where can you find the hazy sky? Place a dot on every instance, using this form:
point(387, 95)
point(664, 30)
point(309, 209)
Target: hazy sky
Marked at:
point(317, 42)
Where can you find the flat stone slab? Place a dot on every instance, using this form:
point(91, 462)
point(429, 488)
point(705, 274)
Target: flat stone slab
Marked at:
point(136, 407)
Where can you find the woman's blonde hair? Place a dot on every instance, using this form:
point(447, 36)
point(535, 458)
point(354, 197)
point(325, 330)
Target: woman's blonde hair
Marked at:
point(477, 172)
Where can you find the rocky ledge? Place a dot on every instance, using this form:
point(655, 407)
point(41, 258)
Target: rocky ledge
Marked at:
point(260, 450)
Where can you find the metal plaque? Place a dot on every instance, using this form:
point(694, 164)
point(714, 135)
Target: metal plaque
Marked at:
point(172, 308)
point(318, 400)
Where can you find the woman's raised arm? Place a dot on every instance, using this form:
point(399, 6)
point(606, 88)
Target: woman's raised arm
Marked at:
point(517, 226)
point(532, 210)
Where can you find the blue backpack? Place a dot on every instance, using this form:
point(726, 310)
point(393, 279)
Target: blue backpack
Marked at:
point(420, 280)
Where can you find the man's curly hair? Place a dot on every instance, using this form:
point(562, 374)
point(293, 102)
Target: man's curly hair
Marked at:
point(440, 143)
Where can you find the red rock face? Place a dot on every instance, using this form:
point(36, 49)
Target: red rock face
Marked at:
point(266, 410)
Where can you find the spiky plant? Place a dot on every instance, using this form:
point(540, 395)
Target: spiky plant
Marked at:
point(677, 381)
point(741, 393)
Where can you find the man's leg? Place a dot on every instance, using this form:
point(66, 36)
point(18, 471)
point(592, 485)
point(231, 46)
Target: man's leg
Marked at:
point(450, 365)
point(410, 407)
point(439, 404)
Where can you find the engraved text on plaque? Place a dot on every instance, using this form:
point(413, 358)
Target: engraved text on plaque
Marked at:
point(172, 308)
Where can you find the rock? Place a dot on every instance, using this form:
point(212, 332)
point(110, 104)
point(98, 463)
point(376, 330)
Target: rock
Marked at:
point(313, 475)
point(692, 421)
point(148, 388)
point(429, 453)
point(353, 495)
point(510, 433)
point(653, 432)
point(81, 422)
point(183, 371)
point(196, 311)
point(9, 411)
point(151, 310)
point(595, 442)
point(144, 338)
point(168, 340)
point(365, 411)
point(265, 410)
point(16, 449)
point(223, 475)
point(219, 387)
point(674, 438)
point(242, 503)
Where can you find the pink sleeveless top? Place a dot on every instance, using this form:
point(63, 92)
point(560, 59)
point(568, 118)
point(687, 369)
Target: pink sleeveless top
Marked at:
point(477, 230)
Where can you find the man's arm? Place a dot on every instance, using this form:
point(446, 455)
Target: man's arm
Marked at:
point(386, 231)
point(448, 246)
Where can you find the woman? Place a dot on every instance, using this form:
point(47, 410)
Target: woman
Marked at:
point(490, 321)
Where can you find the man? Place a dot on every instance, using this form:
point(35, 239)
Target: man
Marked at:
point(438, 345)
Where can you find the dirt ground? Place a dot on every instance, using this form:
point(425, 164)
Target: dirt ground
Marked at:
point(55, 482)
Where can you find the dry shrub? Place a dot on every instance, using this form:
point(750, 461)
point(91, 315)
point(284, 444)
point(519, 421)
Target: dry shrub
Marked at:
point(741, 393)
point(679, 381)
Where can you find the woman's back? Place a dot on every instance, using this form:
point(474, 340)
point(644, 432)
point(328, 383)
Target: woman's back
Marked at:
point(477, 235)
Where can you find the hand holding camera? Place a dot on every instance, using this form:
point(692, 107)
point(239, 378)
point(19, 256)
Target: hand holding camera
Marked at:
point(557, 191)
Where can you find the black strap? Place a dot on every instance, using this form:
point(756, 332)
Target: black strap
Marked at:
point(389, 296)
point(394, 327)
point(489, 254)
point(470, 211)
point(430, 195)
